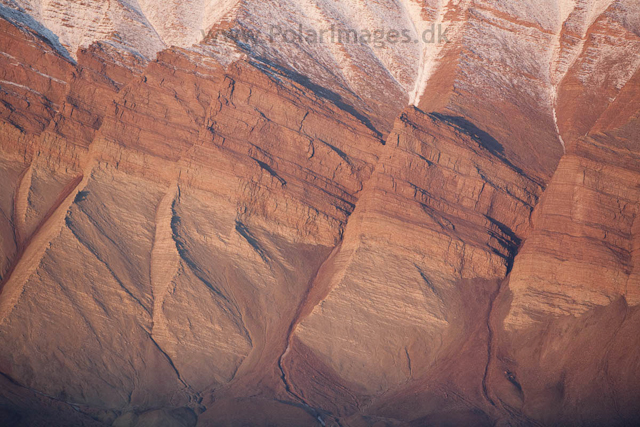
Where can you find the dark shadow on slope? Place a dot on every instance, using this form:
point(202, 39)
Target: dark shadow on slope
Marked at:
point(252, 240)
point(508, 240)
point(271, 68)
point(183, 252)
point(338, 151)
point(24, 21)
point(271, 171)
point(484, 139)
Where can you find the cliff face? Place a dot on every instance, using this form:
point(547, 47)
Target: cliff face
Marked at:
point(199, 230)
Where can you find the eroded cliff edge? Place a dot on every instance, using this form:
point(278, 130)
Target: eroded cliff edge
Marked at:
point(189, 240)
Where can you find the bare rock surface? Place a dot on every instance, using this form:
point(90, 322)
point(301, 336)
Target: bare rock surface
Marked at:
point(201, 229)
point(390, 299)
point(585, 232)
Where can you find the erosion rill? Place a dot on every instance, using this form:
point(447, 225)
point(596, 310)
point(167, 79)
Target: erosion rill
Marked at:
point(207, 218)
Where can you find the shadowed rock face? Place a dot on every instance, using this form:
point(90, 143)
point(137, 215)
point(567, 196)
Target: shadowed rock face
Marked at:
point(236, 233)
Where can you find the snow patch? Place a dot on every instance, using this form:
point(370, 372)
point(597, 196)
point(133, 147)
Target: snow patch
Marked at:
point(429, 52)
point(185, 23)
point(22, 20)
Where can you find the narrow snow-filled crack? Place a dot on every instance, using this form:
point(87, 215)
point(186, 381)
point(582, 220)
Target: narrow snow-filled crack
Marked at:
point(555, 122)
point(559, 68)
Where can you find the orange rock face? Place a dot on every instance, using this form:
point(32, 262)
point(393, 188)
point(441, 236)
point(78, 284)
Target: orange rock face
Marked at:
point(234, 233)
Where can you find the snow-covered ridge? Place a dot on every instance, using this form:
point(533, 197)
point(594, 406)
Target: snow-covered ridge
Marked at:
point(26, 21)
point(430, 51)
point(145, 26)
point(79, 24)
point(527, 44)
point(184, 23)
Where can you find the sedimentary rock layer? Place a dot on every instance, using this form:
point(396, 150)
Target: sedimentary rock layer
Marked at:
point(245, 232)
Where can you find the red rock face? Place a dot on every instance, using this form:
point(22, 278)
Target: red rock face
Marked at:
point(234, 234)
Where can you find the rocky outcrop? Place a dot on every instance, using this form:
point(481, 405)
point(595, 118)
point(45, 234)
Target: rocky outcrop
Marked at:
point(601, 73)
point(440, 208)
point(257, 233)
point(585, 231)
point(583, 234)
point(263, 151)
point(569, 311)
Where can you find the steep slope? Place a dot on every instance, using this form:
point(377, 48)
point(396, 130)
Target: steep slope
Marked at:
point(585, 229)
point(281, 208)
point(74, 25)
point(463, 212)
point(235, 230)
point(602, 71)
point(569, 308)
